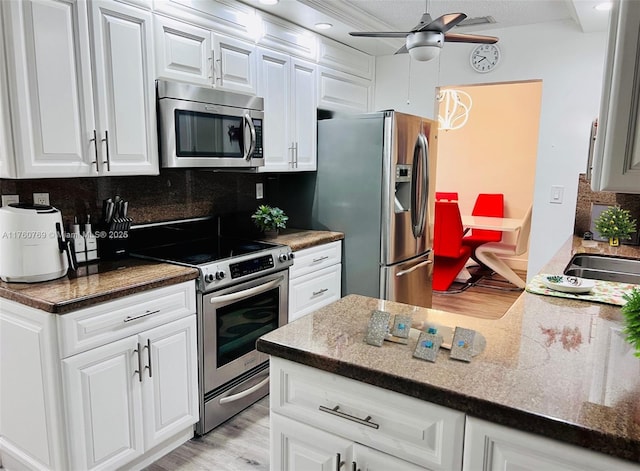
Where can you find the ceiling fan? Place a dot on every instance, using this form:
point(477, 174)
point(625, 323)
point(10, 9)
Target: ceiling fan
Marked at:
point(425, 40)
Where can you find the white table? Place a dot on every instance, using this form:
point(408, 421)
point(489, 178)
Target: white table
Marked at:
point(492, 223)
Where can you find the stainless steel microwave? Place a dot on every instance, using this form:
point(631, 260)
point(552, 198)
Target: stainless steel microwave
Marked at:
point(202, 127)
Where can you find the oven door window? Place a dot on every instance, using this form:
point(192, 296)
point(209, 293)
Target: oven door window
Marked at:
point(208, 135)
point(241, 323)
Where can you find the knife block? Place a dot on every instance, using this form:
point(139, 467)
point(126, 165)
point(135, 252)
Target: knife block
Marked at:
point(113, 239)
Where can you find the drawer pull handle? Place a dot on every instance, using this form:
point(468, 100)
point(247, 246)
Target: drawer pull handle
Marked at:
point(335, 411)
point(323, 290)
point(319, 259)
point(148, 313)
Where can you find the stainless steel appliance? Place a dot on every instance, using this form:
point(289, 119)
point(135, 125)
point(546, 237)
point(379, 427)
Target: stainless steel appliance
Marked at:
point(33, 246)
point(242, 294)
point(375, 183)
point(206, 128)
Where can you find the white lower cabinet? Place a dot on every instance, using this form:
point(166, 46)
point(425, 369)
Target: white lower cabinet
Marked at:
point(128, 396)
point(109, 386)
point(373, 427)
point(314, 279)
point(307, 448)
point(492, 447)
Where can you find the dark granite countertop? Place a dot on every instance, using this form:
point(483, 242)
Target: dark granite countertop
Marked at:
point(107, 281)
point(299, 239)
point(548, 367)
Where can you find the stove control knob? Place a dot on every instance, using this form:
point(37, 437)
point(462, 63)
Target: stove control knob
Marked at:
point(209, 277)
point(220, 275)
point(283, 257)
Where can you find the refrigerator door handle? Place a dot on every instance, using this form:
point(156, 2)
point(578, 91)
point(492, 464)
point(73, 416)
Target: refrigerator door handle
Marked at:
point(413, 268)
point(419, 188)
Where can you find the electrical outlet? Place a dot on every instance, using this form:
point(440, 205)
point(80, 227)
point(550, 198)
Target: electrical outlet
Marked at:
point(41, 198)
point(9, 199)
point(259, 191)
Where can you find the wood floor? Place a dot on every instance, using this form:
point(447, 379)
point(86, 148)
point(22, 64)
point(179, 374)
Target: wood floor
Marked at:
point(242, 443)
point(479, 300)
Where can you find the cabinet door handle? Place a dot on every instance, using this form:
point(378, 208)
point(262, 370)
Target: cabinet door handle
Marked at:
point(295, 154)
point(323, 290)
point(140, 316)
point(339, 462)
point(335, 411)
point(95, 149)
point(106, 143)
point(354, 466)
point(319, 259)
point(148, 347)
point(291, 152)
point(139, 370)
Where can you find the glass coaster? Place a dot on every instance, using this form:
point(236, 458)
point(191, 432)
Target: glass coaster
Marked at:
point(427, 346)
point(378, 328)
point(462, 345)
point(401, 326)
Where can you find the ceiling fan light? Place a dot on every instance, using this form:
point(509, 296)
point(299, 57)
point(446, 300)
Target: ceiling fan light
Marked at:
point(424, 53)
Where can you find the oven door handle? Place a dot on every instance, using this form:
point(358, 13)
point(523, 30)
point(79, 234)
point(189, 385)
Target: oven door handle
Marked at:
point(247, 292)
point(245, 393)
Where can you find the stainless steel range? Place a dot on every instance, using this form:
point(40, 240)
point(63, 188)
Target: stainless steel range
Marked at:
point(242, 294)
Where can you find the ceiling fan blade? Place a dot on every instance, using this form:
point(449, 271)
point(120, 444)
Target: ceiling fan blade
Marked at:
point(444, 23)
point(469, 38)
point(380, 34)
point(425, 20)
point(402, 50)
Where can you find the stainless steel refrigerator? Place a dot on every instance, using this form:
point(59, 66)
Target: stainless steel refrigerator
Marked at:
point(375, 183)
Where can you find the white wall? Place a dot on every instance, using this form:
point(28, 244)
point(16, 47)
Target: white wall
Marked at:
point(570, 64)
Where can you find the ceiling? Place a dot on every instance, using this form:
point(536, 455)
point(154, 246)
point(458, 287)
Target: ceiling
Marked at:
point(403, 15)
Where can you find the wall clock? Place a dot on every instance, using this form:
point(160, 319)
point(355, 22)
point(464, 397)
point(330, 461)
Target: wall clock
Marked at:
point(485, 57)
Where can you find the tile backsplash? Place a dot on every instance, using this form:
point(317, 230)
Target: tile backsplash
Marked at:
point(174, 194)
point(587, 197)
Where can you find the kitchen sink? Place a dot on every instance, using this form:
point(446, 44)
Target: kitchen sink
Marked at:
point(605, 268)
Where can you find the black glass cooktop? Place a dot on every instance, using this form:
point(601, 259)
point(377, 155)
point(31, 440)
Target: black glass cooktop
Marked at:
point(190, 243)
point(199, 252)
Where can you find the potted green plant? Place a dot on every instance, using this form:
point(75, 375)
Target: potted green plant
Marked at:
point(615, 223)
point(270, 219)
point(631, 313)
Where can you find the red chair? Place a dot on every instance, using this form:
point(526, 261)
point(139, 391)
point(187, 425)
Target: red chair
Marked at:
point(447, 195)
point(450, 255)
point(487, 204)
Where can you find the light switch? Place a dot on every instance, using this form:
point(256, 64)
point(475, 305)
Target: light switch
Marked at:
point(557, 193)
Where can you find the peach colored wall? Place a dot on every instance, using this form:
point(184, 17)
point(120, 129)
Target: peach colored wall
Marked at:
point(495, 151)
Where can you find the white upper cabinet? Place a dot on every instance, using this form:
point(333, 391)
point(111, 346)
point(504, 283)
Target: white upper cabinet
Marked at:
point(224, 16)
point(616, 165)
point(183, 51)
point(125, 89)
point(7, 168)
point(71, 115)
point(338, 91)
point(234, 64)
point(200, 56)
point(288, 87)
point(287, 37)
point(347, 59)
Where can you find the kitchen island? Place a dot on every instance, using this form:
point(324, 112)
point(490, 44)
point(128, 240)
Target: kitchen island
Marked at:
point(552, 368)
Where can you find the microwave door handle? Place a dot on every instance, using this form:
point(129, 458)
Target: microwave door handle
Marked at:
point(247, 292)
point(252, 131)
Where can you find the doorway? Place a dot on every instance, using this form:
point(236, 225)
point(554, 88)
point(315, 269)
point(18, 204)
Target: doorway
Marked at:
point(495, 150)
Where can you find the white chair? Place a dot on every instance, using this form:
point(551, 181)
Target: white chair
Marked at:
point(490, 253)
